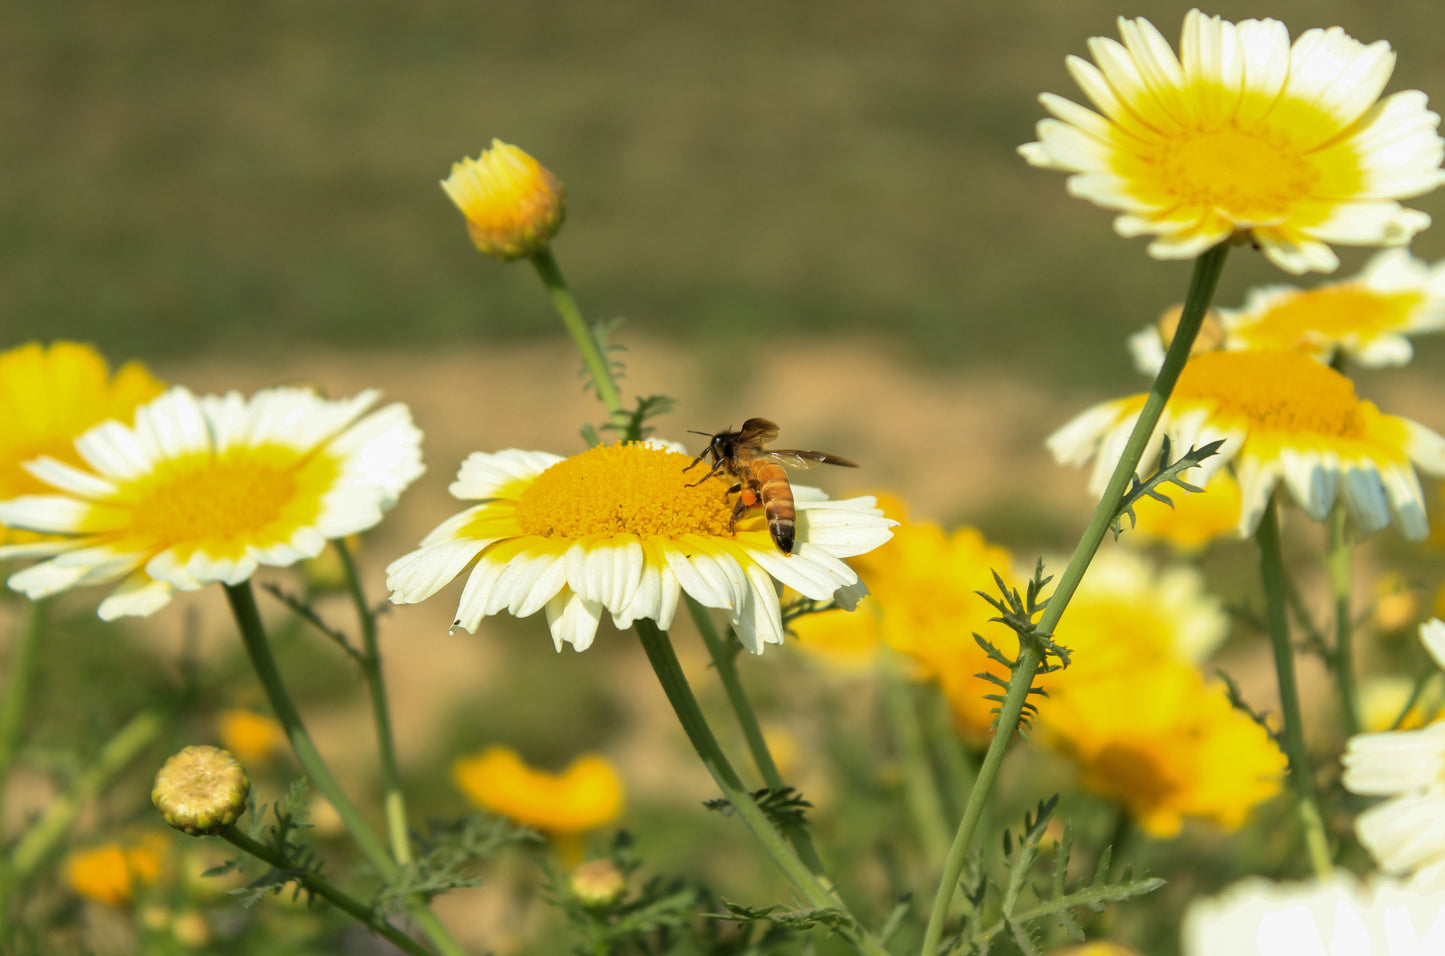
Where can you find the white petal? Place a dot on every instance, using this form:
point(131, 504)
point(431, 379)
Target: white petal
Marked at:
point(417, 576)
point(138, 596)
point(484, 475)
point(1394, 761)
point(1432, 635)
point(51, 514)
point(65, 477)
point(573, 620)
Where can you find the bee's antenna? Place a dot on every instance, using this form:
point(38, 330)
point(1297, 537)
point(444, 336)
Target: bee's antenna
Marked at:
point(694, 431)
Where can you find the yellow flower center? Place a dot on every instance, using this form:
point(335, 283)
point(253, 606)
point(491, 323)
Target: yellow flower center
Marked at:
point(248, 496)
point(624, 489)
point(1273, 391)
point(1333, 313)
point(1249, 175)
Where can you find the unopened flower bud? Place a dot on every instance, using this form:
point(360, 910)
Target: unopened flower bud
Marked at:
point(513, 205)
point(201, 790)
point(597, 883)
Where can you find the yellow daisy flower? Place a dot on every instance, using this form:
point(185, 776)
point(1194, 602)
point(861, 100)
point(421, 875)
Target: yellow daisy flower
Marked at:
point(252, 737)
point(620, 528)
point(112, 872)
point(1283, 417)
point(48, 396)
point(585, 796)
point(512, 204)
point(923, 603)
point(1244, 134)
point(205, 490)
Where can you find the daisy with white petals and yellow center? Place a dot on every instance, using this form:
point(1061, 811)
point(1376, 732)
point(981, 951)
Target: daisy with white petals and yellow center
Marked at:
point(205, 490)
point(1366, 318)
point(1283, 416)
point(618, 528)
point(1245, 133)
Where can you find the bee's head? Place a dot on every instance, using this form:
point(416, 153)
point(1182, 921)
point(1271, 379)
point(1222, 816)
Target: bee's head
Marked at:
point(716, 444)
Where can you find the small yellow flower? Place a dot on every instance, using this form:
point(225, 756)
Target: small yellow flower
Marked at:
point(205, 490)
point(113, 872)
point(49, 395)
point(253, 738)
point(513, 205)
point(1244, 135)
point(585, 796)
point(1396, 604)
point(623, 528)
point(1284, 417)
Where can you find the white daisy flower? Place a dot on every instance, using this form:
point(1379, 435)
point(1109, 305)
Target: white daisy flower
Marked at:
point(1245, 134)
point(1283, 417)
point(618, 528)
point(1330, 917)
point(1405, 834)
point(1367, 317)
point(205, 490)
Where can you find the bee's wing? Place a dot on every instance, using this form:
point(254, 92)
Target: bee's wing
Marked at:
point(797, 458)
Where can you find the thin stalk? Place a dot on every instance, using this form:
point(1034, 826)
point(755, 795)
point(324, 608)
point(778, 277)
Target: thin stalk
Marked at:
point(253, 635)
point(17, 689)
point(669, 673)
point(395, 799)
point(1340, 560)
point(117, 753)
point(725, 662)
point(1207, 269)
point(1271, 561)
point(313, 883)
point(920, 786)
point(586, 340)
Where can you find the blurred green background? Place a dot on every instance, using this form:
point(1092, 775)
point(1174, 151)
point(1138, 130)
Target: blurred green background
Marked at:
point(183, 179)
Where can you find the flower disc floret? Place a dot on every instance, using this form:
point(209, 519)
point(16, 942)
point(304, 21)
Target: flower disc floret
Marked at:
point(205, 490)
point(618, 529)
point(620, 489)
point(1244, 134)
point(1282, 416)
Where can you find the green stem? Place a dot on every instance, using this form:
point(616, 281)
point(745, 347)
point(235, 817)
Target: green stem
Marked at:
point(253, 635)
point(313, 883)
point(117, 753)
point(1340, 559)
point(17, 690)
point(395, 799)
point(663, 659)
point(920, 786)
point(953, 755)
point(1271, 560)
point(546, 266)
point(1207, 269)
point(725, 662)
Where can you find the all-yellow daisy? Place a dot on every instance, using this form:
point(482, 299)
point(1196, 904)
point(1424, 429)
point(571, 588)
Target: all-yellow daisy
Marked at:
point(1244, 134)
point(49, 394)
point(619, 528)
point(1283, 417)
point(585, 796)
point(204, 490)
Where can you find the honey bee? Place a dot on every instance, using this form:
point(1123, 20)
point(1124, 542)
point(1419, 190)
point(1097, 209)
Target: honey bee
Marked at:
point(760, 475)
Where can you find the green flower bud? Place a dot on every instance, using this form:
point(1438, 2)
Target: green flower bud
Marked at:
point(201, 790)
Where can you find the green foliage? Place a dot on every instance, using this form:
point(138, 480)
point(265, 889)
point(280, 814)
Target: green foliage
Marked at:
point(1018, 611)
point(449, 854)
point(785, 808)
point(1023, 910)
point(292, 859)
point(1168, 473)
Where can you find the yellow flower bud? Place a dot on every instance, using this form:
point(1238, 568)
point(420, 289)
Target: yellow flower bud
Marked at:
point(513, 205)
point(201, 790)
point(597, 883)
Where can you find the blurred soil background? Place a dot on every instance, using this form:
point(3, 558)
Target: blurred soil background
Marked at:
point(811, 211)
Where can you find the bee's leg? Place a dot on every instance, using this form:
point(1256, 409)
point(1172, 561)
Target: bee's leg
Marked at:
point(739, 508)
point(711, 471)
